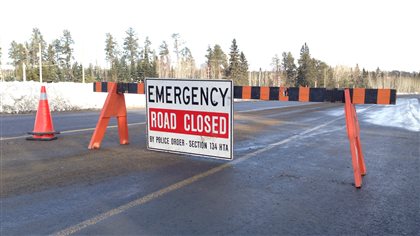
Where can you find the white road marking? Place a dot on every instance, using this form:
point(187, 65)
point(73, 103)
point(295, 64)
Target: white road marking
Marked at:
point(70, 131)
point(16, 137)
point(267, 108)
point(94, 220)
point(88, 129)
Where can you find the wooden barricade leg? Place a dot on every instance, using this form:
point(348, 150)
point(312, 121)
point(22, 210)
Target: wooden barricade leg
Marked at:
point(123, 129)
point(114, 106)
point(353, 132)
point(355, 163)
point(99, 133)
point(361, 159)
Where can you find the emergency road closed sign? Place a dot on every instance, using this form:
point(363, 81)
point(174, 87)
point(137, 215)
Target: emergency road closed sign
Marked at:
point(190, 116)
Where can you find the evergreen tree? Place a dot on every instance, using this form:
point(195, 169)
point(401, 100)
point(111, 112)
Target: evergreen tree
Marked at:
point(357, 78)
point(111, 55)
point(50, 68)
point(330, 83)
point(67, 54)
point(320, 73)
point(216, 62)
point(379, 77)
point(145, 56)
point(36, 40)
point(243, 65)
point(305, 75)
point(147, 51)
point(123, 71)
point(209, 62)
point(220, 61)
point(233, 72)
point(91, 74)
point(365, 73)
point(58, 51)
point(131, 46)
point(59, 59)
point(164, 49)
point(131, 50)
point(18, 55)
point(77, 72)
point(178, 46)
point(154, 67)
point(187, 63)
point(147, 64)
point(289, 67)
point(33, 49)
point(111, 51)
point(276, 64)
point(164, 60)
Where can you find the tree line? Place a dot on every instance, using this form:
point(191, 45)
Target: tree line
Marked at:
point(313, 72)
point(132, 61)
point(57, 57)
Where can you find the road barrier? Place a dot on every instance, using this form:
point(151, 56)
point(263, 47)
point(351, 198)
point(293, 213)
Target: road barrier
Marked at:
point(301, 94)
point(43, 127)
point(305, 94)
point(353, 132)
point(115, 107)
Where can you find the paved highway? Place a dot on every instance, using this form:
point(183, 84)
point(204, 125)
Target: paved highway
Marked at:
point(291, 175)
point(15, 126)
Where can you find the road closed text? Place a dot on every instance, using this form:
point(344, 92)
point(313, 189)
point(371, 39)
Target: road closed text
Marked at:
point(210, 124)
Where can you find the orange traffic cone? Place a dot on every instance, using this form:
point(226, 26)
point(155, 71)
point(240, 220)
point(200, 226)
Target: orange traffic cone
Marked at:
point(43, 128)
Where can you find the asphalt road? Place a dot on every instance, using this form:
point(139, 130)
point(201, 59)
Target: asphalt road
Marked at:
point(291, 175)
point(19, 125)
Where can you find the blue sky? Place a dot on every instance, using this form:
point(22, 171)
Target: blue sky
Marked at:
point(371, 33)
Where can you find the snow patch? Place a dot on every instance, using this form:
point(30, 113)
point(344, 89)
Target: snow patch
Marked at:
point(336, 112)
point(340, 111)
point(405, 114)
point(22, 97)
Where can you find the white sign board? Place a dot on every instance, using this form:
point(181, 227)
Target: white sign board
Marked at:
point(190, 116)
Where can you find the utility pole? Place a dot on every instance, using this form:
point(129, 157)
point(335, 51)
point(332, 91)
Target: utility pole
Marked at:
point(40, 64)
point(24, 72)
point(83, 74)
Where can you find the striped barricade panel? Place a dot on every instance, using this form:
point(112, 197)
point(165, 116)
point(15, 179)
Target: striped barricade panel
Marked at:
point(304, 94)
point(301, 94)
point(137, 88)
point(100, 86)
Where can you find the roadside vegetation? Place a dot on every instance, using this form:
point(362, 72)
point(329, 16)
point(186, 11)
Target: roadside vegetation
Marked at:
point(132, 61)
